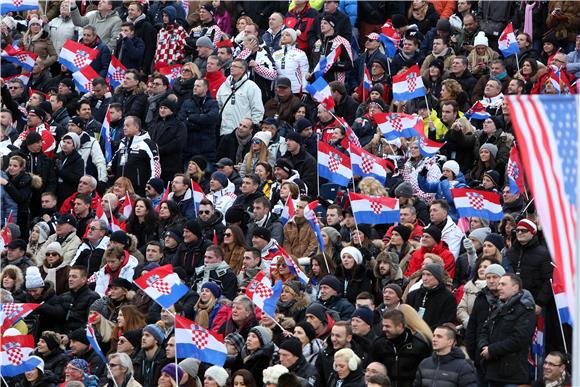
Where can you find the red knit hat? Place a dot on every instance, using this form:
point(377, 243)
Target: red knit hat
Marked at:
point(528, 224)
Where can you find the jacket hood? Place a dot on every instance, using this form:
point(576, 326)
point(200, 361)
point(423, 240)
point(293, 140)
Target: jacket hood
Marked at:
point(171, 13)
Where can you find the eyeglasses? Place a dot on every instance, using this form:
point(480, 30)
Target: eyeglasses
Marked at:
point(206, 212)
point(553, 364)
point(92, 228)
point(228, 234)
point(522, 230)
point(122, 341)
point(157, 84)
point(52, 254)
point(113, 365)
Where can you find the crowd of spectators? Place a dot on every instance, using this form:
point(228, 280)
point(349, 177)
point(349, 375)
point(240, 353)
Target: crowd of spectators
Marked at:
point(433, 299)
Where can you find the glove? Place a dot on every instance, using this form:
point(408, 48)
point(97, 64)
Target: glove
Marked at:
point(469, 247)
point(424, 172)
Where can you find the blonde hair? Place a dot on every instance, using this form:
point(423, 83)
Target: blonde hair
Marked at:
point(262, 157)
point(415, 323)
point(371, 186)
point(453, 87)
point(193, 68)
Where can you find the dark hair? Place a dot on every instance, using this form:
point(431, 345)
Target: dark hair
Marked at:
point(515, 279)
point(319, 258)
point(238, 234)
point(186, 180)
point(130, 25)
point(254, 179)
point(155, 243)
point(249, 380)
point(85, 198)
point(366, 296)
point(451, 331)
point(453, 104)
point(336, 207)
point(267, 167)
point(138, 4)
point(116, 106)
point(445, 39)
point(99, 81)
point(337, 86)
point(381, 380)
point(395, 315)
point(216, 249)
point(114, 251)
point(206, 202)
point(264, 201)
point(81, 269)
point(478, 262)
point(150, 222)
point(443, 203)
point(562, 356)
point(204, 81)
point(288, 380)
point(255, 252)
point(40, 95)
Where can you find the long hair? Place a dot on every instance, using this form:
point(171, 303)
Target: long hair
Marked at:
point(125, 183)
point(319, 258)
point(415, 323)
point(150, 221)
point(172, 207)
point(262, 156)
point(249, 380)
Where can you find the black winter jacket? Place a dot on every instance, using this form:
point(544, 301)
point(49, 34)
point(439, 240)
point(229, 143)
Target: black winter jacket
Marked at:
point(48, 316)
point(20, 190)
point(354, 379)
point(532, 263)
point(69, 170)
point(359, 280)
point(55, 361)
point(439, 303)
point(451, 370)
point(75, 307)
point(228, 147)
point(508, 335)
point(134, 103)
point(484, 303)
point(169, 134)
point(201, 118)
point(306, 166)
point(305, 370)
point(255, 362)
point(401, 356)
point(340, 305)
point(190, 255)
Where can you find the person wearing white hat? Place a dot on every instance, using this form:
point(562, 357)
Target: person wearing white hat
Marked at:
point(54, 269)
point(36, 377)
point(442, 189)
point(258, 152)
point(215, 376)
point(291, 62)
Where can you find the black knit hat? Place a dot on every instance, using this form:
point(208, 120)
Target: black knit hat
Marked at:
point(330, 19)
point(404, 231)
point(365, 314)
point(285, 165)
point(434, 232)
point(120, 237)
point(332, 282)
point(79, 335)
point(302, 124)
point(496, 240)
point(399, 20)
point(318, 311)
point(294, 136)
point(174, 233)
point(195, 228)
point(200, 161)
point(120, 283)
point(436, 270)
point(308, 329)
point(134, 337)
point(263, 233)
point(169, 104)
point(292, 345)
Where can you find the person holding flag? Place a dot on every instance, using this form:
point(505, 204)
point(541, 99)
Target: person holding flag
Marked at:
point(299, 237)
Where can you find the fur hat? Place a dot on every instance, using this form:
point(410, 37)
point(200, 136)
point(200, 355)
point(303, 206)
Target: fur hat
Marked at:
point(33, 278)
point(354, 252)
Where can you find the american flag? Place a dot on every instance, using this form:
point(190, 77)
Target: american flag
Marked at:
point(546, 127)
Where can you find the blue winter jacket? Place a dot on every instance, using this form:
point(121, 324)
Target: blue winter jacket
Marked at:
point(442, 190)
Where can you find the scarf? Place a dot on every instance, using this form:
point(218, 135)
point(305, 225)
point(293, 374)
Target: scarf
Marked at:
point(263, 221)
point(500, 76)
point(558, 382)
point(241, 144)
point(116, 273)
point(32, 38)
point(528, 19)
point(202, 311)
point(51, 271)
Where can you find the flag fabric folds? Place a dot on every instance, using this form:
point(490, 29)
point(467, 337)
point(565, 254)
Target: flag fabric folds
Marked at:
point(20, 58)
point(366, 164)
point(477, 112)
point(333, 165)
point(84, 78)
point(115, 73)
point(514, 173)
point(162, 285)
point(374, 210)
point(74, 56)
point(507, 42)
point(482, 204)
point(193, 340)
point(17, 6)
point(15, 355)
point(263, 295)
point(408, 85)
point(395, 125)
point(320, 92)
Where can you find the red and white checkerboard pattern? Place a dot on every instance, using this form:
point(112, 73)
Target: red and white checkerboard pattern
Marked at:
point(17, 3)
point(367, 163)
point(15, 355)
point(199, 337)
point(263, 291)
point(412, 82)
point(81, 59)
point(376, 207)
point(476, 200)
point(118, 75)
point(11, 310)
point(22, 57)
point(162, 287)
point(396, 124)
point(333, 162)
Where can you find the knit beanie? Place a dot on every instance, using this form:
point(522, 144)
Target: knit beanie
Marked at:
point(434, 232)
point(271, 374)
point(236, 340)
point(496, 240)
point(213, 288)
point(480, 234)
point(157, 184)
point(79, 335)
point(318, 311)
point(218, 374)
point(33, 278)
point(54, 247)
point(405, 190)
point(294, 34)
point(195, 228)
point(100, 306)
point(452, 166)
point(79, 364)
point(403, 231)
point(262, 233)
point(134, 337)
point(264, 136)
point(332, 233)
point(491, 148)
point(169, 104)
point(308, 329)
point(531, 226)
point(43, 229)
point(396, 288)
point(354, 252)
point(220, 178)
point(14, 230)
point(332, 282)
point(436, 270)
point(51, 339)
point(263, 333)
point(480, 40)
point(155, 331)
point(365, 314)
point(292, 345)
point(170, 368)
point(190, 366)
point(493, 175)
point(496, 269)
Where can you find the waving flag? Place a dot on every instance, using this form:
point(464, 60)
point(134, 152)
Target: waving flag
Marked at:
point(15, 355)
point(546, 129)
point(350, 136)
point(20, 58)
point(288, 211)
point(193, 340)
point(514, 173)
point(165, 196)
point(90, 332)
point(106, 136)
point(11, 313)
point(367, 82)
point(374, 210)
point(429, 148)
point(292, 266)
point(100, 213)
point(326, 62)
point(310, 215)
point(263, 295)
point(117, 225)
point(367, 164)
point(84, 79)
point(127, 206)
point(559, 82)
point(162, 285)
point(395, 125)
point(198, 195)
point(477, 112)
point(562, 304)
point(408, 85)
point(507, 42)
point(320, 92)
point(171, 72)
point(390, 38)
point(116, 72)
point(17, 5)
point(333, 165)
point(75, 56)
point(481, 204)
point(25, 78)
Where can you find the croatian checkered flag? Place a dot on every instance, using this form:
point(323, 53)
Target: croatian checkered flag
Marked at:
point(162, 285)
point(482, 204)
point(264, 296)
point(193, 340)
point(15, 352)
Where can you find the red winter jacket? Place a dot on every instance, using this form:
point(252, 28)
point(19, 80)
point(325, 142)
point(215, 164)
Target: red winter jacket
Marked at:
point(418, 256)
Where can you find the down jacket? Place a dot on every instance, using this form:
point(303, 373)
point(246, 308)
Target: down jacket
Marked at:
point(126, 271)
point(248, 103)
point(451, 370)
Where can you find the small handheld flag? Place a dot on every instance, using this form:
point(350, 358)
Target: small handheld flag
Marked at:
point(75, 56)
point(367, 164)
point(15, 355)
point(320, 92)
point(193, 340)
point(84, 79)
point(395, 125)
point(514, 173)
point(507, 42)
point(162, 285)
point(263, 295)
point(429, 148)
point(374, 210)
point(106, 136)
point(482, 204)
point(115, 73)
point(477, 112)
point(333, 165)
point(90, 332)
point(408, 85)
point(289, 210)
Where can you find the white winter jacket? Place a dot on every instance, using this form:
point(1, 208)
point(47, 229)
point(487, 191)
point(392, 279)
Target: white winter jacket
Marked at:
point(247, 103)
point(292, 63)
point(103, 278)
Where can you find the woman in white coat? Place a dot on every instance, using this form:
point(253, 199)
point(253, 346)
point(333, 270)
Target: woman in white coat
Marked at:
point(291, 62)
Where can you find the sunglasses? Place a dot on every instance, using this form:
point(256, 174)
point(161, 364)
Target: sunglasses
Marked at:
point(256, 141)
point(206, 212)
point(522, 230)
point(52, 254)
point(228, 234)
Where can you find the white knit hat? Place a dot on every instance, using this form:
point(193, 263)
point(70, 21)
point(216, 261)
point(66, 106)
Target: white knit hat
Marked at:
point(218, 374)
point(33, 278)
point(271, 374)
point(480, 40)
point(452, 166)
point(354, 252)
point(54, 247)
point(294, 34)
point(264, 136)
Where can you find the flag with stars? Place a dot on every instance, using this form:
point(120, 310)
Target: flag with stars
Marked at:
point(546, 128)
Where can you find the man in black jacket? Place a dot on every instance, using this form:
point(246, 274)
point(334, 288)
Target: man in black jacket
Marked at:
point(169, 134)
point(461, 74)
point(236, 144)
point(200, 114)
point(484, 303)
point(250, 192)
point(215, 272)
point(263, 217)
point(190, 253)
point(399, 349)
point(130, 48)
point(76, 302)
point(302, 161)
point(81, 349)
point(330, 296)
point(292, 358)
point(211, 221)
point(143, 30)
point(506, 336)
point(447, 365)
point(48, 316)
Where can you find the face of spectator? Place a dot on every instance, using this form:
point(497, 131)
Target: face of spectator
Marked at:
point(80, 208)
point(492, 89)
point(448, 114)
point(114, 262)
point(437, 214)
point(314, 321)
point(206, 211)
point(89, 37)
point(457, 67)
point(359, 327)
point(47, 202)
point(223, 54)
point(236, 70)
point(148, 341)
point(248, 186)
point(33, 120)
point(240, 313)
point(523, 235)
point(513, 89)
point(341, 368)
point(406, 216)
point(259, 243)
point(427, 241)
point(553, 366)
point(130, 81)
point(76, 280)
point(124, 345)
point(77, 347)
point(438, 46)
point(130, 128)
point(522, 41)
point(347, 261)
point(507, 289)
point(249, 261)
point(211, 257)
point(390, 297)
point(275, 22)
point(72, 373)
point(332, 217)
point(326, 292)
point(429, 280)
point(34, 100)
point(15, 89)
point(409, 47)
point(133, 12)
point(339, 338)
point(204, 15)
